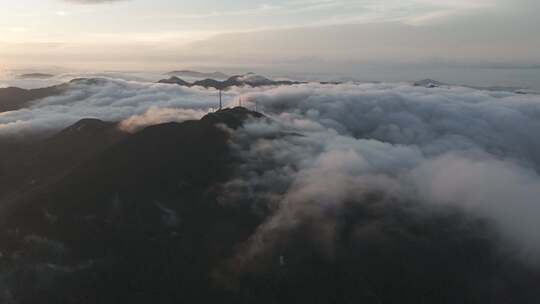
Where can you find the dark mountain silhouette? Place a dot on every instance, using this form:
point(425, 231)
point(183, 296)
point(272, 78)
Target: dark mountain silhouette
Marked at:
point(175, 80)
point(249, 79)
point(142, 219)
point(89, 81)
point(429, 83)
point(127, 158)
point(211, 83)
point(195, 74)
point(36, 76)
point(206, 83)
point(13, 98)
point(32, 165)
point(153, 192)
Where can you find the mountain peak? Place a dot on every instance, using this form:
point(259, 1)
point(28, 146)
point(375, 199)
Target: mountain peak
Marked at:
point(13, 98)
point(175, 80)
point(232, 117)
point(88, 123)
point(429, 83)
point(196, 74)
point(249, 79)
point(36, 76)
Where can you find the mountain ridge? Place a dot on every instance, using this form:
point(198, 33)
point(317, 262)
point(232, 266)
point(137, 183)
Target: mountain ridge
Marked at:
point(250, 79)
point(147, 219)
point(13, 98)
point(196, 74)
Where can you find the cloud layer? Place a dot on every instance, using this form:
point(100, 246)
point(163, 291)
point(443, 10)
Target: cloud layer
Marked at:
point(330, 146)
point(324, 147)
point(92, 1)
point(109, 100)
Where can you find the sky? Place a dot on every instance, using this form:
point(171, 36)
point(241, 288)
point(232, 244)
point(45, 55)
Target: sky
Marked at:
point(279, 34)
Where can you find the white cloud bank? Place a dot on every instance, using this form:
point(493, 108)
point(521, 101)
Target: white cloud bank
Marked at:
point(456, 147)
point(297, 35)
point(328, 145)
point(91, 1)
point(109, 100)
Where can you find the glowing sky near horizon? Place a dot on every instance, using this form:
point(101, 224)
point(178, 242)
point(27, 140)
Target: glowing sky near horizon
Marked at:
point(38, 20)
point(79, 31)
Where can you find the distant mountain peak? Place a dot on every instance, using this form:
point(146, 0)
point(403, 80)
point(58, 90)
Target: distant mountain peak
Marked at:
point(89, 81)
point(196, 74)
point(175, 80)
point(88, 123)
point(36, 76)
point(13, 98)
point(253, 79)
point(231, 117)
point(429, 83)
point(249, 79)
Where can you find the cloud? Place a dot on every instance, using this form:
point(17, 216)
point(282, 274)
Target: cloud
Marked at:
point(386, 179)
point(498, 189)
point(92, 1)
point(325, 147)
point(109, 100)
point(328, 147)
point(452, 118)
point(156, 115)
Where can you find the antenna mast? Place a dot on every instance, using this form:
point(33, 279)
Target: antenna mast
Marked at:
point(220, 100)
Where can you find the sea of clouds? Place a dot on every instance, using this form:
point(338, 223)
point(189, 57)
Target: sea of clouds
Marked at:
point(324, 146)
point(140, 103)
point(329, 145)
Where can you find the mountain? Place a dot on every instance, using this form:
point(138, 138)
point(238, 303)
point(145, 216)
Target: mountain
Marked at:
point(249, 79)
point(252, 79)
point(429, 83)
point(36, 76)
point(211, 83)
point(134, 202)
point(175, 80)
point(28, 166)
point(13, 98)
point(145, 218)
point(88, 81)
point(107, 161)
point(195, 74)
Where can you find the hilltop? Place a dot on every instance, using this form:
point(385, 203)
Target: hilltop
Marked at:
point(250, 79)
point(196, 74)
